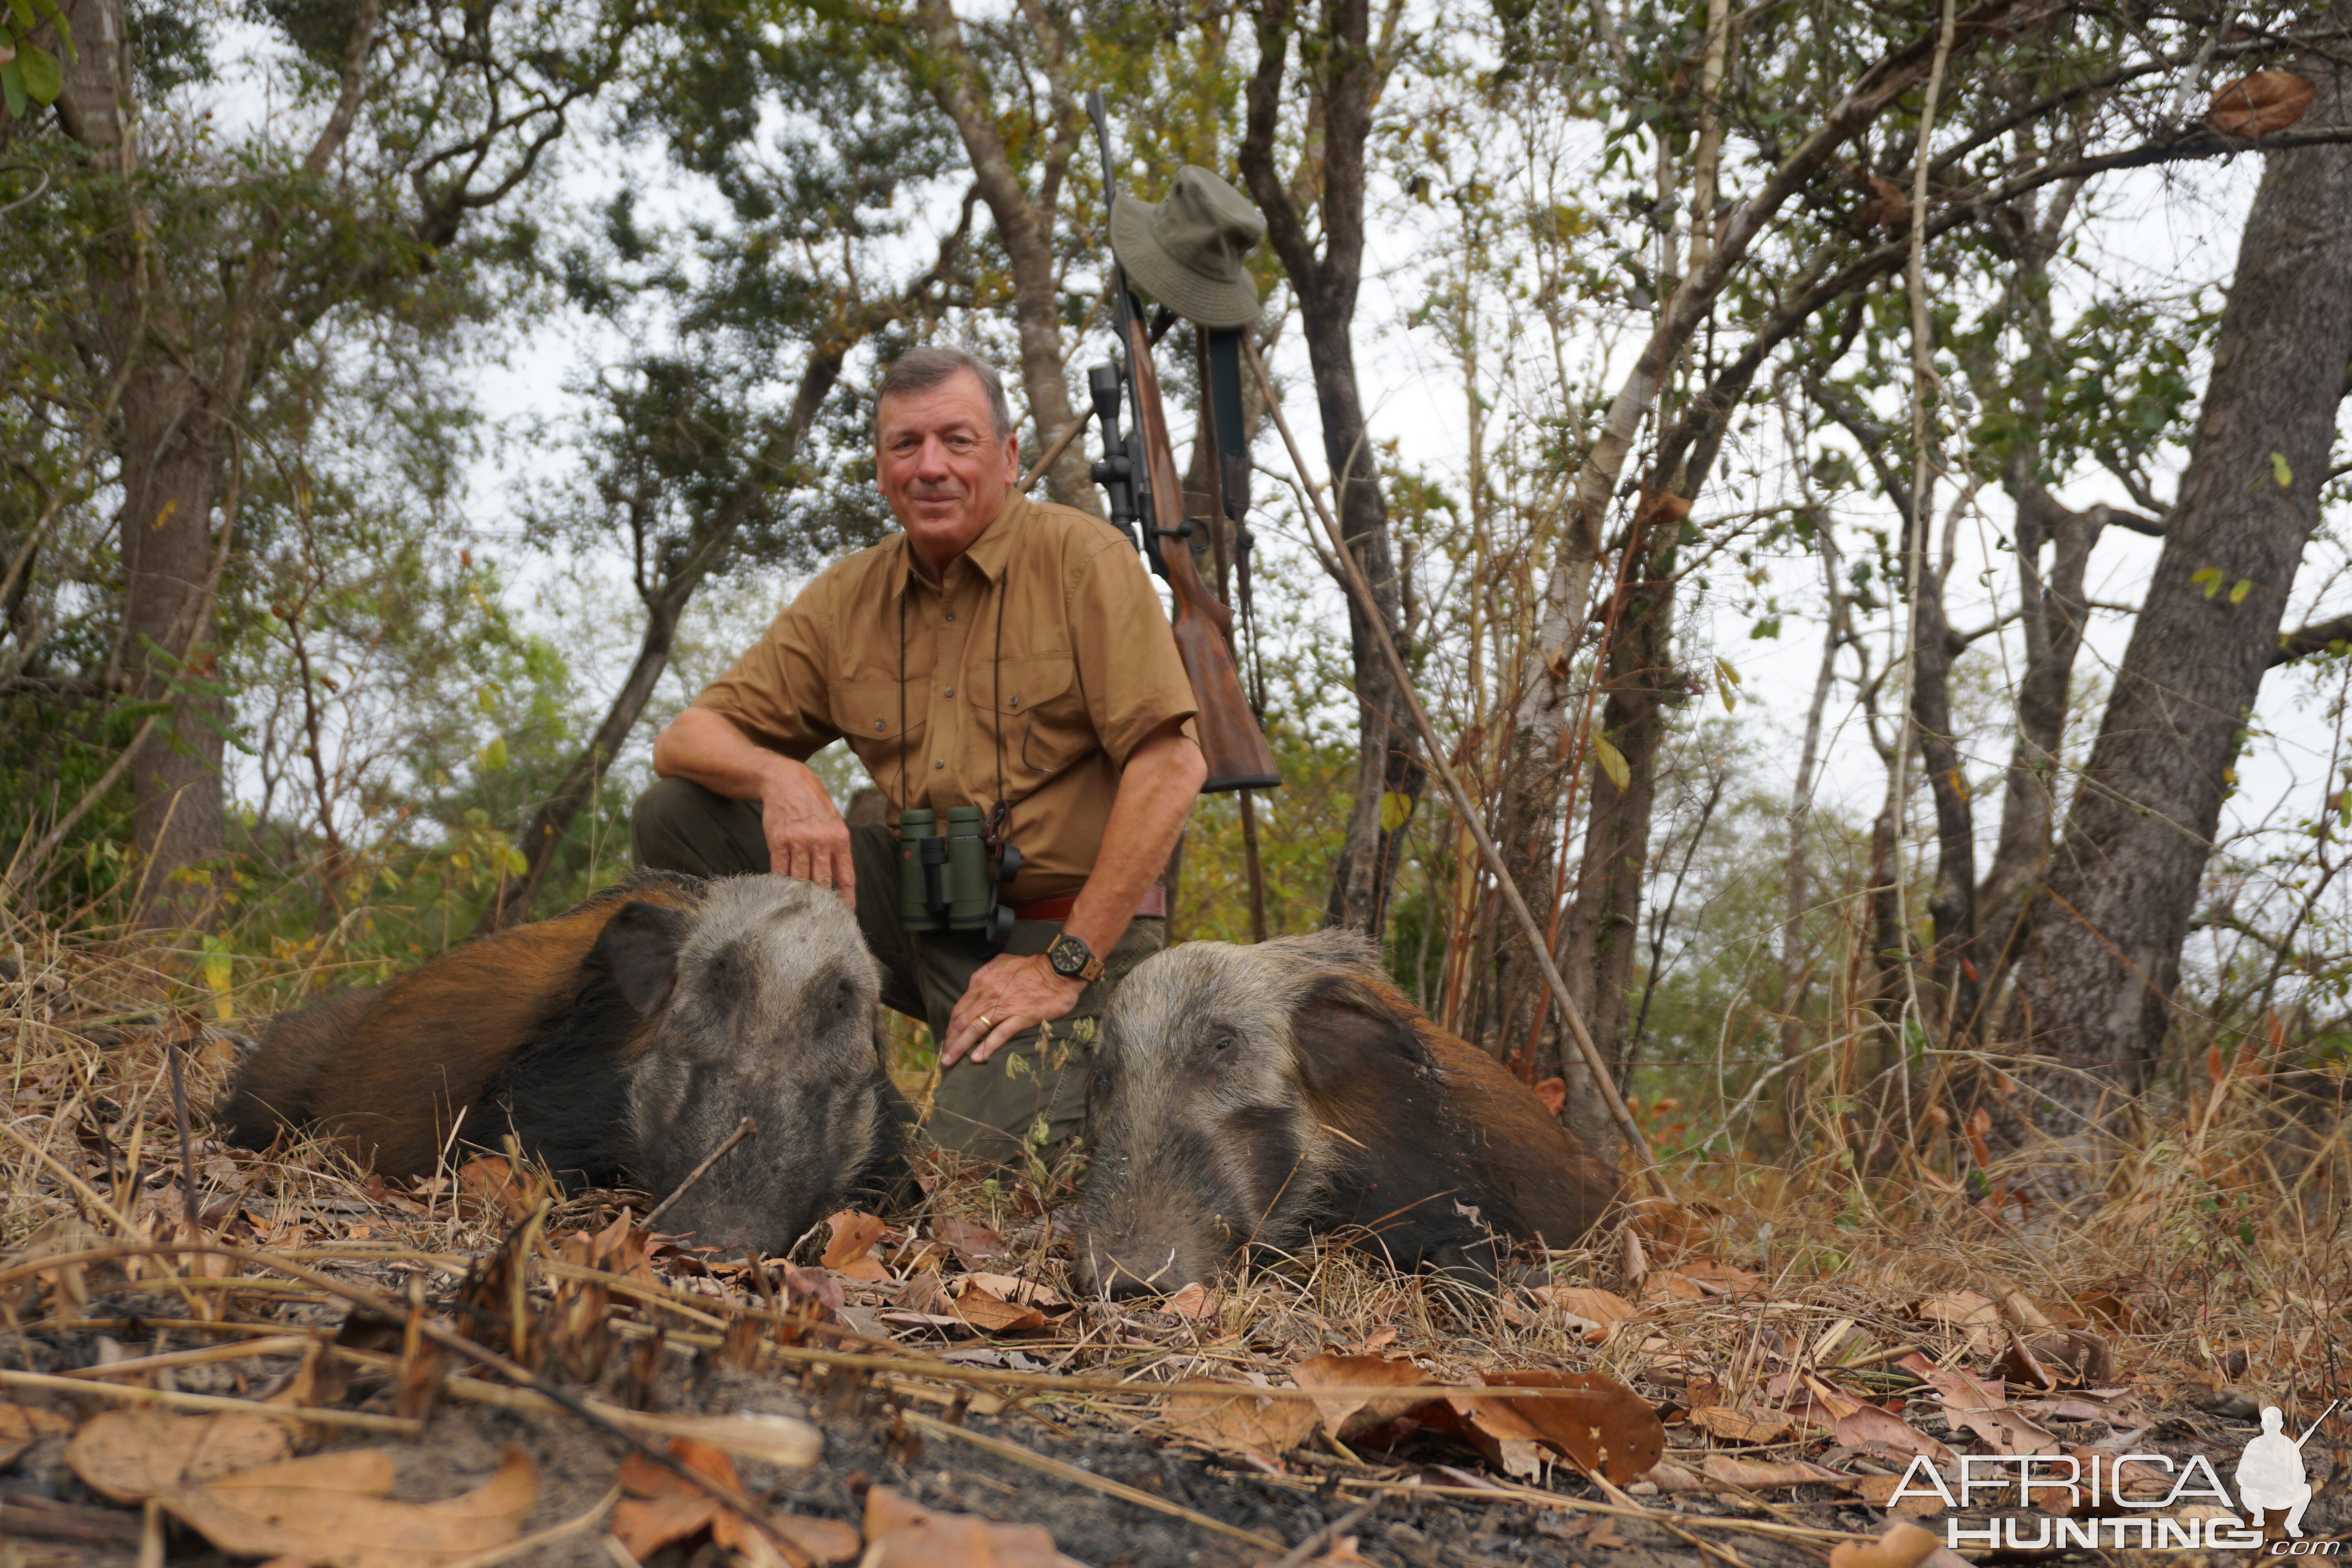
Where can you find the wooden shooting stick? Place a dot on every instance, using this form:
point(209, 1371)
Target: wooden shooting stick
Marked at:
point(1053, 453)
point(1618, 1110)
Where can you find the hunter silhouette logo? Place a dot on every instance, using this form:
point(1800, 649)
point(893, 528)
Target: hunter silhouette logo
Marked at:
point(2270, 1476)
point(2270, 1472)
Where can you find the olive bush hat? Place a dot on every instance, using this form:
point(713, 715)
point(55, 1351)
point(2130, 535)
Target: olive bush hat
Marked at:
point(1186, 251)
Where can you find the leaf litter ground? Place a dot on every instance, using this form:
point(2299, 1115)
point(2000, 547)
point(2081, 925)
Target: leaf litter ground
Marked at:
point(478, 1368)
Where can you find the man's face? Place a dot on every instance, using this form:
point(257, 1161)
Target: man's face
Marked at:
point(942, 467)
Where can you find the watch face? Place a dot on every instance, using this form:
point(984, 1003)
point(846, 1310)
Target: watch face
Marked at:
point(1068, 956)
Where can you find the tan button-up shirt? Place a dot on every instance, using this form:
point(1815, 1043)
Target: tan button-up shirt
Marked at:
point(1059, 601)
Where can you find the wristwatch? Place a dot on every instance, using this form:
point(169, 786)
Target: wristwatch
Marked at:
point(1074, 959)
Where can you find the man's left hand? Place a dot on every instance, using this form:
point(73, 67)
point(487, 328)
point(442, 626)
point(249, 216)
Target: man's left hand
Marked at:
point(1006, 996)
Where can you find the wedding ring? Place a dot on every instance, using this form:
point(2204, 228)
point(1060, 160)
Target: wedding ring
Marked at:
point(986, 1023)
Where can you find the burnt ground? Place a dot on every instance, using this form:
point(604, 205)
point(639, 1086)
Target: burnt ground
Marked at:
point(875, 1433)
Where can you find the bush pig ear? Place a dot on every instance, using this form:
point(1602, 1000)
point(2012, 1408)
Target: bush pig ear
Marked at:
point(1346, 1036)
point(638, 948)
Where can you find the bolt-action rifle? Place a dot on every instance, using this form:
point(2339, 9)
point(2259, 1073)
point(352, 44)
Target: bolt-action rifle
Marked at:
point(1138, 472)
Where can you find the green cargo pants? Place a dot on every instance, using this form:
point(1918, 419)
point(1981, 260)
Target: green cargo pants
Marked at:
point(1032, 1093)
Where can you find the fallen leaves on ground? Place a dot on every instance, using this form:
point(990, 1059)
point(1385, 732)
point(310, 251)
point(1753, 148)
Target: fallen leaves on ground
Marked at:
point(902, 1533)
point(1345, 1416)
point(1596, 1312)
point(854, 1235)
point(974, 1245)
point(1754, 1474)
point(1194, 1301)
point(22, 1425)
point(1976, 1316)
point(1242, 1422)
point(334, 1509)
point(784, 1441)
point(131, 1454)
point(492, 1182)
point(1738, 1426)
point(990, 1313)
point(662, 1508)
point(1905, 1545)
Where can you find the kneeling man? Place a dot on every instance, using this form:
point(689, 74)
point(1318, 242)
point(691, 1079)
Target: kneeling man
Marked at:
point(997, 654)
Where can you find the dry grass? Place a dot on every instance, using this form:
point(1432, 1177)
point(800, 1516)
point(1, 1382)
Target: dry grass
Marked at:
point(2214, 1262)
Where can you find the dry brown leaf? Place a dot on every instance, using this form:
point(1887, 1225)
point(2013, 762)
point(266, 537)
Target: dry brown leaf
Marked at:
point(1011, 1288)
point(902, 1533)
point(2114, 1309)
point(1752, 1474)
point(1552, 1092)
point(1241, 1422)
point(662, 1506)
point(1722, 1279)
point(1347, 1414)
point(1916, 1502)
point(2260, 104)
point(131, 1455)
point(1868, 1424)
point(1905, 1545)
point(853, 1234)
point(1599, 1311)
point(1196, 1302)
point(784, 1441)
point(2007, 1431)
point(991, 1314)
point(492, 1182)
point(330, 1509)
point(1339, 1555)
point(974, 1245)
point(1491, 1426)
point(1976, 1316)
point(825, 1540)
point(2075, 1358)
point(22, 1425)
point(1607, 1428)
point(1961, 1389)
point(2025, 1311)
point(1736, 1427)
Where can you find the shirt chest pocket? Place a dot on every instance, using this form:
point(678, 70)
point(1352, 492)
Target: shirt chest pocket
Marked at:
point(867, 713)
point(1035, 702)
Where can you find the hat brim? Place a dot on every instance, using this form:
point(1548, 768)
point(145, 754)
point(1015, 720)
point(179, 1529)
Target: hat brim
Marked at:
point(1212, 302)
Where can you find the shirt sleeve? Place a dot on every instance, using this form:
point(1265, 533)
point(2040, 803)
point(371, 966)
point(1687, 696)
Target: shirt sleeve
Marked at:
point(776, 691)
point(1133, 679)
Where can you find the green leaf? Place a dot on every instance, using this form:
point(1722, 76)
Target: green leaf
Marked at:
point(44, 78)
point(25, 21)
point(2244, 587)
point(12, 87)
point(2280, 471)
point(1396, 810)
point(494, 755)
point(1725, 678)
point(1612, 763)
point(2208, 578)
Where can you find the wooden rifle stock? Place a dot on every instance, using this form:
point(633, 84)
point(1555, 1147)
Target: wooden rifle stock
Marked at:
point(1236, 752)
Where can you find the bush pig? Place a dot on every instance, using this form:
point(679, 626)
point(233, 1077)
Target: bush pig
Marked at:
point(626, 1038)
point(1255, 1095)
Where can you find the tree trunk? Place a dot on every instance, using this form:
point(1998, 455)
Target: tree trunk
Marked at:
point(1389, 776)
point(1023, 226)
point(1600, 936)
point(2094, 993)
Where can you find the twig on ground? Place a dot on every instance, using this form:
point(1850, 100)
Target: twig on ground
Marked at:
point(1349, 1520)
point(175, 1047)
point(548, 1537)
point(277, 1344)
point(743, 1128)
point(213, 1402)
point(1120, 1489)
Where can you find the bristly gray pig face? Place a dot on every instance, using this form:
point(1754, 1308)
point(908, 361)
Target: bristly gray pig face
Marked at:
point(762, 1003)
point(1203, 1140)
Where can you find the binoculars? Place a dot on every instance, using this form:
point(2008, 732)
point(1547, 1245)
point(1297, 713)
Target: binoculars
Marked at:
point(944, 880)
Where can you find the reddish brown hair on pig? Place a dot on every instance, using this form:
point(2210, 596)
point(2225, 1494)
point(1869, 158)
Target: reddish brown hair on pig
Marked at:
point(1254, 1096)
point(623, 1040)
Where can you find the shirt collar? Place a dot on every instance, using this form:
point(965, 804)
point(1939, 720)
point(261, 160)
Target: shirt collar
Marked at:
point(990, 555)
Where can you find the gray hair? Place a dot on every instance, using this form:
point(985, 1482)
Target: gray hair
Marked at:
point(921, 369)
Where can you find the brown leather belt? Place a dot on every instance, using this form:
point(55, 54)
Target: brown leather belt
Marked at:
point(1153, 903)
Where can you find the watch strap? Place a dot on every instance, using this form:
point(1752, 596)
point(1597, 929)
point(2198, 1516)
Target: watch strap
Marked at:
point(1066, 946)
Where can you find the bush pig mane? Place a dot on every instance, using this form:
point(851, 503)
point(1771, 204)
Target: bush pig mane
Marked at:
point(450, 1026)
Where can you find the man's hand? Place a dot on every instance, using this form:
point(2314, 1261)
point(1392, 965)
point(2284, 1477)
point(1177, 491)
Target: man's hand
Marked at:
point(1006, 996)
point(806, 836)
